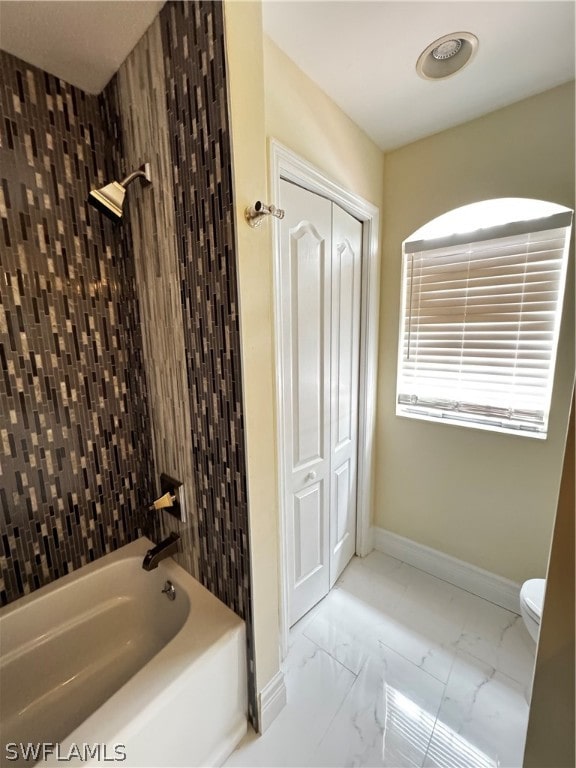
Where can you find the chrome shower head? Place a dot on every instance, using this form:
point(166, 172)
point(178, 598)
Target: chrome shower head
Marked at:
point(109, 200)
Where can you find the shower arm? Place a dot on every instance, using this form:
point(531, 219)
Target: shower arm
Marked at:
point(143, 171)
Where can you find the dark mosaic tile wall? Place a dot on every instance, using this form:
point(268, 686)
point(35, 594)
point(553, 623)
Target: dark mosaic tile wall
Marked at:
point(196, 102)
point(200, 144)
point(76, 461)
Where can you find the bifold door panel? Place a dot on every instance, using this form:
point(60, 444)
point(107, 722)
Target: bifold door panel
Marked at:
point(320, 305)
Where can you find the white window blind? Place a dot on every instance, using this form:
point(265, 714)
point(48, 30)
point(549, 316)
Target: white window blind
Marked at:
point(479, 325)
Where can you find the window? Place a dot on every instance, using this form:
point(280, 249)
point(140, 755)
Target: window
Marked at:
point(482, 298)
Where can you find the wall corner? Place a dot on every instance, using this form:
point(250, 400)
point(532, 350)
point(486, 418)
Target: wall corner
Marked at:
point(243, 30)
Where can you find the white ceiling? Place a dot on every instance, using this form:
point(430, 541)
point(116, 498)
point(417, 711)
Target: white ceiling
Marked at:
point(81, 41)
point(363, 55)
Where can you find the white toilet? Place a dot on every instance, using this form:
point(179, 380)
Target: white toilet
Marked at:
point(531, 603)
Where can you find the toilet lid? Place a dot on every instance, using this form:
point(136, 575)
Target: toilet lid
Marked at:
point(533, 595)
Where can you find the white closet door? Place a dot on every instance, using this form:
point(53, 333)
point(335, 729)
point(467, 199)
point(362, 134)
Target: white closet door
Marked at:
point(320, 305)
point(306, 255)
point(345, 329)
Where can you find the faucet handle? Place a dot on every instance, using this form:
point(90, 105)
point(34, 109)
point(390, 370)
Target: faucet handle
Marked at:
point(164, 502)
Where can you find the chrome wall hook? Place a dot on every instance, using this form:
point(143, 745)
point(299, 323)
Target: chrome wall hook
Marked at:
point(254, 214)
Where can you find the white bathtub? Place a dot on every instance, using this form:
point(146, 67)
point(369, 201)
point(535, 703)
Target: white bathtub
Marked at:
point(100, 663)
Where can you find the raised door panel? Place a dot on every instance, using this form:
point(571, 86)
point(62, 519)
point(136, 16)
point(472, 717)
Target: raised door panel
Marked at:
point(308, 264)
point(345, 343)
point(341, 497)
point(308, 532)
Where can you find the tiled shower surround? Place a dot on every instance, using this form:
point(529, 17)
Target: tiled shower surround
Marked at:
point(137, 331)
point(73, 421)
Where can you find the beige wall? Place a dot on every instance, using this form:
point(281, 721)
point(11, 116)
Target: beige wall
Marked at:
point(271, 97)
point(550, 738)
point(486, 498)
point(303, 118)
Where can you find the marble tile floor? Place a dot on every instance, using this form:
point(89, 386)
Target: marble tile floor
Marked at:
point(397, 668)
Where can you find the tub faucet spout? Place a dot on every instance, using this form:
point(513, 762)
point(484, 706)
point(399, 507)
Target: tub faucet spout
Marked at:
point(165, 549)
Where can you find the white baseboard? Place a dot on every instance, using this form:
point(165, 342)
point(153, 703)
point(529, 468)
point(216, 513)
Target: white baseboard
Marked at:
point(476, 580)
point(272, 700)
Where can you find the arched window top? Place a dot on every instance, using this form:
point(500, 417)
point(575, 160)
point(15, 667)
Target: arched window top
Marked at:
point(485, 214)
